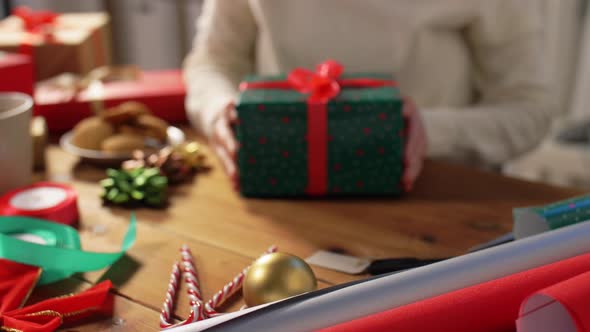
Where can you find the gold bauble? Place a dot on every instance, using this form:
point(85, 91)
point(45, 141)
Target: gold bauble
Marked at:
point(275, 277)
point(192, 154)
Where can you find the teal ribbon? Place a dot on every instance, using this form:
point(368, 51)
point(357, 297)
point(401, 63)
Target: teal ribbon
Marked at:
point(61, 256)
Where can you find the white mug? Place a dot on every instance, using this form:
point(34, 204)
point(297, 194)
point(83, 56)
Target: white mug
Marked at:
point(16, 154)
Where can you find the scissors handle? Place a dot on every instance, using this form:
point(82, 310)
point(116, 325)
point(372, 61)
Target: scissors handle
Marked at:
point(389, 265)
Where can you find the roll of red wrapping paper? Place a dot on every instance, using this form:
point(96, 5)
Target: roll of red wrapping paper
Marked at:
point(561, 307)
point(45, 200)
point(491, 306)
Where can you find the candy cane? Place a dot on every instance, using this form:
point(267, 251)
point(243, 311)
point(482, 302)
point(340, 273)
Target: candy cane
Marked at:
point(168, 306)
point(229, 289)
point(193, 290)
point(193, 287)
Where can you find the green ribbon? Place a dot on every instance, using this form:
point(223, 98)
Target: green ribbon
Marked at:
point(61, 255)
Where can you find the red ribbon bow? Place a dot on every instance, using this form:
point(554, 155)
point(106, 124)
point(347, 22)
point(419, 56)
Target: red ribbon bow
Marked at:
point(321, 86)
point(36, 21)
point(16, 283)
point(38, 24)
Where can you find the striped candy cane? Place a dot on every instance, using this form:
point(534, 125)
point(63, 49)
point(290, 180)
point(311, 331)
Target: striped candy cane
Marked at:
point(193, 287)
point(189, 275)
point(168, 306)
point(229, 289)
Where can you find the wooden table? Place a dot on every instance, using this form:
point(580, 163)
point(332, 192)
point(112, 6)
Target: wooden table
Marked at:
point(451, 209)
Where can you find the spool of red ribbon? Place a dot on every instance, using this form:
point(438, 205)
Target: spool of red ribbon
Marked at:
point(44, 200)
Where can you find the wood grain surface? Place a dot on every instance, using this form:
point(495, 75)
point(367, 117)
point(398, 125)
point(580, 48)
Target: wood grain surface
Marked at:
point(451, 209)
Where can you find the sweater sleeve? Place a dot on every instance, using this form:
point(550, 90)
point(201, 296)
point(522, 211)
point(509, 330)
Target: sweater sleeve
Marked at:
point(222, 54)
point(515, 104)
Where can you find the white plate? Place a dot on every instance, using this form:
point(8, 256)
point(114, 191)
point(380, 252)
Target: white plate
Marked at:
point(175, 137)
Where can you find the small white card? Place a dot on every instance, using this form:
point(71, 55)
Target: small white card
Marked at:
point(339, 262)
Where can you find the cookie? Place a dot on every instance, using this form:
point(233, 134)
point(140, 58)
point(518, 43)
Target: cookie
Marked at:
point(131, 129)
point(123, 143)
point(124, 113)
point(153, 127)
point(91, 132)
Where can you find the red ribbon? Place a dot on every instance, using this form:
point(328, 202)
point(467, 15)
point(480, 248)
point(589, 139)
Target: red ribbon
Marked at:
point(63, 212)
point(321, 86)
point(16, 283)
point(39, 23)
point(36, 21)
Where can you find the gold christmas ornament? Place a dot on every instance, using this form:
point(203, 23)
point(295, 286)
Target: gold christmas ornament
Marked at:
point(192, 154)
point(275, 277)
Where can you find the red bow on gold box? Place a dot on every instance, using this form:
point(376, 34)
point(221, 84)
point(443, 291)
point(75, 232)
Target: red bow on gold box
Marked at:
point(36, 21)
point(58, 43)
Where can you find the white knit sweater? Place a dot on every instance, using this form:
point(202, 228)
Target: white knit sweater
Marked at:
point(474, 67)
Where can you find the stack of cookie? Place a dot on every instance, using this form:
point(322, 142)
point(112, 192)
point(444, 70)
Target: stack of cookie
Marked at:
point(121, 129)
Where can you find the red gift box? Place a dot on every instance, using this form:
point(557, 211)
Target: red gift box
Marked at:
point(163, 92)
point(16, 73)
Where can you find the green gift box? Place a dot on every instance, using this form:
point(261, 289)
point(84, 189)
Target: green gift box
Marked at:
point(320, 133)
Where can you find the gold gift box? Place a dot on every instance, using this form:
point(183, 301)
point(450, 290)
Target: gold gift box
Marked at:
point(76, 43)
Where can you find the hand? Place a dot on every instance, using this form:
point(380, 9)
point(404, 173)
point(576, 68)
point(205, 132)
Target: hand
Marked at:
point(416, 145)
point(224, 143)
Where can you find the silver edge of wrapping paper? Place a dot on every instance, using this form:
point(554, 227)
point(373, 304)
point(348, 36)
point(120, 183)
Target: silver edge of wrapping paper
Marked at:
point(399, 289)
point(528, 223)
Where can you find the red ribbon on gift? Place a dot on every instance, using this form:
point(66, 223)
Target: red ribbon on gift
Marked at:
point(35, 21)
point(16, 283)
point(38, 23)
point(321, 86)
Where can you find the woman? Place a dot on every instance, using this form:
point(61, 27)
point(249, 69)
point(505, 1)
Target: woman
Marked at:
point(474, 68)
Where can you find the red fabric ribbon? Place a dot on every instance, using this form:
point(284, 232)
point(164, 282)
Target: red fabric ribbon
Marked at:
point(16, 283)
point(39, 23)
point(35, 21)
point(321, 86)
point(64, 212)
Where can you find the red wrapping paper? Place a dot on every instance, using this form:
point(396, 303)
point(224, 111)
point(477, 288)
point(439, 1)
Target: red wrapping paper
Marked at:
point(573, 295)
point(163, 92)
point(16, 73)
point(492, 306)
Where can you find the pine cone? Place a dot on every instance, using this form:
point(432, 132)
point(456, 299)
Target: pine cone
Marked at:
point(178, 164)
